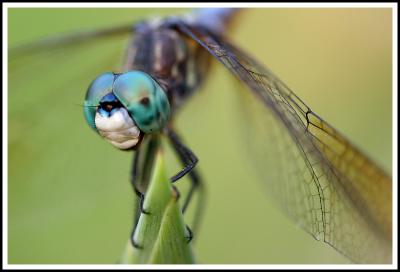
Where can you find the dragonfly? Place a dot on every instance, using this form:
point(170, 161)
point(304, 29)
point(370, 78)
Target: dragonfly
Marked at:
point(328, 187)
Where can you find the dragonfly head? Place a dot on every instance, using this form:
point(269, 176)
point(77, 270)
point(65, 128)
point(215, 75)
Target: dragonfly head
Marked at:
point(124, 107)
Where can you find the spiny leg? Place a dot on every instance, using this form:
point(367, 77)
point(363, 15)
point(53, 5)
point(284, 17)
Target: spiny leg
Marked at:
point(187, 157)
point(142, 168)
point(140, 200)
point(189, 160)
point(177, 196)
point(135, 224)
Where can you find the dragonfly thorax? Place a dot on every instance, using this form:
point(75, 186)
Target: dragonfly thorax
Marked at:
point(176, 62)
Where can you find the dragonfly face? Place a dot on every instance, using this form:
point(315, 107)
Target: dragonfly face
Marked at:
point(124, 107)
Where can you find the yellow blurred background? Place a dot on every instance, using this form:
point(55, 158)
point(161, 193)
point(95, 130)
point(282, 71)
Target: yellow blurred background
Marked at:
point(69, 195)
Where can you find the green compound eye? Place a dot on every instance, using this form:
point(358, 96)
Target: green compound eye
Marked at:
point(144, 99)
point(99, 88)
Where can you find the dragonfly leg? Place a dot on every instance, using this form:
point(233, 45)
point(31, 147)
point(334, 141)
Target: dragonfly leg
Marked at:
point(190, 237)
point(189, 160)
point(142, 166)
point(177, 196)
point(187, 157)
point(135, 223)
point(139, 203)
point(134, 177)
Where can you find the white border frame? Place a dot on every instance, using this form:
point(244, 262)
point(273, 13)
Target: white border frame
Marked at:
point(6, 6)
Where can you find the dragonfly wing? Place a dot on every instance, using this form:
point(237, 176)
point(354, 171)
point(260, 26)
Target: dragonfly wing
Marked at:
point(54, 53)
point(47, 82)
point(73, 39)
point(53, 154)
point(66, 60)
point(326, 184)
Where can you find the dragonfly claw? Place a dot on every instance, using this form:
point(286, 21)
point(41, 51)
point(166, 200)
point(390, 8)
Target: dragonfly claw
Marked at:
point(176, 193)
point(135, 245)
point(190, 237)
point(142, 210)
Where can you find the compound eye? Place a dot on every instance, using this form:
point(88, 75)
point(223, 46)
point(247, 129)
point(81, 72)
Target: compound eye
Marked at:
point(99, 88)
point(144, 99)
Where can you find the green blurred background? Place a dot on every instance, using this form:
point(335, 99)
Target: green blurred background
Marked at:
point(69, 195)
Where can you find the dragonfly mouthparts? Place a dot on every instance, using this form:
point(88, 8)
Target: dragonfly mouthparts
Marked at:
point(115, 124)
point(117, 127)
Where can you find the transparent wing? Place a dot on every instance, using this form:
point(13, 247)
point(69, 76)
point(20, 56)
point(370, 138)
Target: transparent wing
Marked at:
point(41, 70)
point(72, 39)
point(320, 179)
point(54, 156)
point(47, 81)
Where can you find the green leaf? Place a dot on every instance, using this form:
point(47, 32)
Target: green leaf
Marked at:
point(162, 234)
